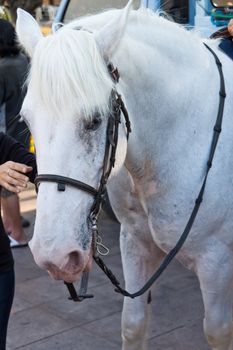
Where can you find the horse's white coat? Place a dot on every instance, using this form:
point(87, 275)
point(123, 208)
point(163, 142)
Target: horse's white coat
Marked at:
point(170, 85)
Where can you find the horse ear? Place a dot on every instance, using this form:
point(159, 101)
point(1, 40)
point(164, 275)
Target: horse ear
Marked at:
point(109, 37)
point(28, 31)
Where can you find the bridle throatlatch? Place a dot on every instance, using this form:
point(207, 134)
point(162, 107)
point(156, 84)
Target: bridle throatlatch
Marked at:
point(108, 164)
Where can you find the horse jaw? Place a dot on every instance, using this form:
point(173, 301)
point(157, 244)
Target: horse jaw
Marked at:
point(28, 31)
point(108, 38)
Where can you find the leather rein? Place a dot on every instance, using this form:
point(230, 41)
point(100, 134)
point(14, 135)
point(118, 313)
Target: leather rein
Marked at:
point(118, 107)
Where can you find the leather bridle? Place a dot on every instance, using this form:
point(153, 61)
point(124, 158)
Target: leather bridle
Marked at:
point(108, 164)
point(114, 119)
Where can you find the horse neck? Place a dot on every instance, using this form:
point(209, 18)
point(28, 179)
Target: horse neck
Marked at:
point(171, 91)
point(152, 34)
point(169, 68)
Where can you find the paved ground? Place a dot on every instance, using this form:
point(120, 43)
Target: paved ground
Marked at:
point(43, 319)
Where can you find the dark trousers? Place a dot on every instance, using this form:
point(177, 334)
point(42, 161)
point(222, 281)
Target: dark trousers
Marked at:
point(7, 284)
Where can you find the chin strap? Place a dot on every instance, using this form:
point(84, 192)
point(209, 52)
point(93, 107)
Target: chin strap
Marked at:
point(82, 291)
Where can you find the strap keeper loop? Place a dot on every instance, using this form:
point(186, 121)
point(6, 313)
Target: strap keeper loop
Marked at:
point(61, 187)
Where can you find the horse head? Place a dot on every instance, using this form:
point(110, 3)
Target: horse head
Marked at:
point(67, 107)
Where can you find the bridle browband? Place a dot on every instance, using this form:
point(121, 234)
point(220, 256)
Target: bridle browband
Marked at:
point(108, 164)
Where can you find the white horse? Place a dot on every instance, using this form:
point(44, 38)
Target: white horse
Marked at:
point(170, 84)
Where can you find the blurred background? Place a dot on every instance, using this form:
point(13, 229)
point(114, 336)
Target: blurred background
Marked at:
point(43, 10)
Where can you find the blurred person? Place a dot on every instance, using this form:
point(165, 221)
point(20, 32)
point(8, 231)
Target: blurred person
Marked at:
point(28, 5)
point(11, 97)
point(17, 167)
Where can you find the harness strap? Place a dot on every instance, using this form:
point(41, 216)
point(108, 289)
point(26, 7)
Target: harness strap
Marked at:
point(110, 148)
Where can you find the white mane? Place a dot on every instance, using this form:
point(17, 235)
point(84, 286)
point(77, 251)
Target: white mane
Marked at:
point(67, 66)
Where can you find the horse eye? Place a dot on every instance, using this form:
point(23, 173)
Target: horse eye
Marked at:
point(94, 123)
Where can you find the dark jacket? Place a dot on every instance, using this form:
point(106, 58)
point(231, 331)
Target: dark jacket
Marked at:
point(13, 72)
point(12, 150)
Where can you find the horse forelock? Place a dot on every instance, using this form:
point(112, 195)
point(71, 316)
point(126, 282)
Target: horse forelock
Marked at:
point(68, 73)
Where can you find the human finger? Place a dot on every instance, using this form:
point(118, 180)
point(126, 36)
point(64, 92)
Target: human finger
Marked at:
point(18, 177)
point(22, 168)
point(12, 188)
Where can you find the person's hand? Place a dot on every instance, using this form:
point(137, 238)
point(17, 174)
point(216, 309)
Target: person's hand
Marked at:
point(12, 176)
point(230, 27)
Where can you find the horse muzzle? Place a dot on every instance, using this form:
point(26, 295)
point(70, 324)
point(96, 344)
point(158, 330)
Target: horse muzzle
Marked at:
point(67, 267)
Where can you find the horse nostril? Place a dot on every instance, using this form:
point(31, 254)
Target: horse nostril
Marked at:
point(75, 262)
point(74, 258)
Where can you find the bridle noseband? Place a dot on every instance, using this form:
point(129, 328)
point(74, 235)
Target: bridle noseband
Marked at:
point(62, 181)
